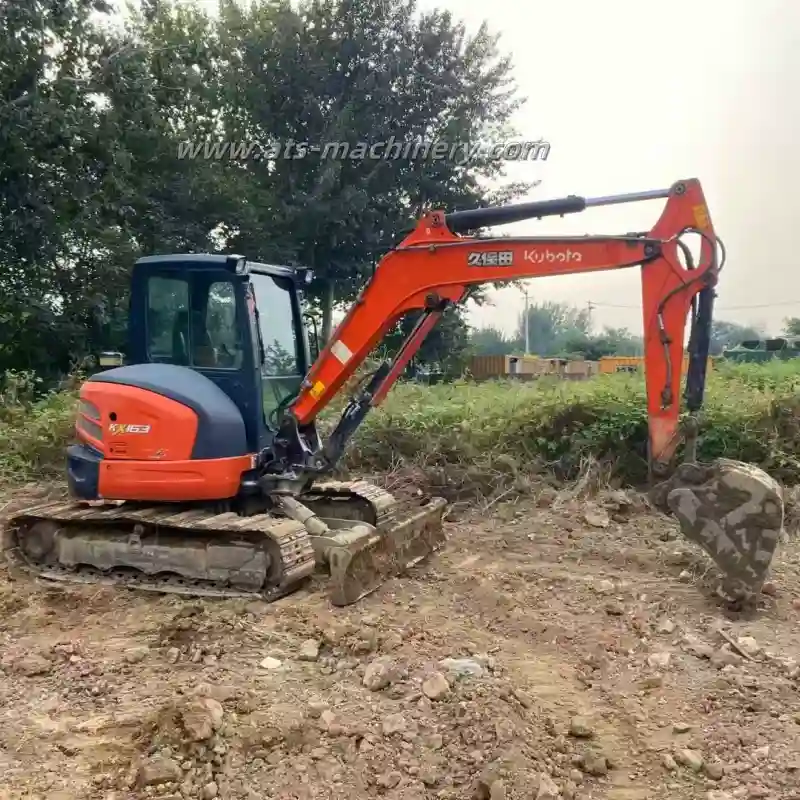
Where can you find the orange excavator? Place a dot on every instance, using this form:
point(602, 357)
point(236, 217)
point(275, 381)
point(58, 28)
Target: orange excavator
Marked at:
point(198, 467)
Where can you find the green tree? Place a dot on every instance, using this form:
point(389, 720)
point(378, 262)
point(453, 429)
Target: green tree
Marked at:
point(92, 116)
point(726, 334)
point(347, 72)
point(557, 329)
point(791, 327)
point(609, 342)
point(88, 160)
point(554, 326)
point(446, 346)
point(491, 341)
point(48, 174)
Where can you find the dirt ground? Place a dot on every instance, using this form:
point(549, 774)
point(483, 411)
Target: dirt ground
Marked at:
point(556, 648)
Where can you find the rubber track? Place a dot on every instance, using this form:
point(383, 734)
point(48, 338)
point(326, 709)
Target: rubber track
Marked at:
point(290, 536)
point(383, 504)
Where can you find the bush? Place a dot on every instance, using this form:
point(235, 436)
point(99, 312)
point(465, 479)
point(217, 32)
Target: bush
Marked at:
point(33, 432)
point(752, 414)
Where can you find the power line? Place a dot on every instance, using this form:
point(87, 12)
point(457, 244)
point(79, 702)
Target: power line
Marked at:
point(761, 305)
point(726, 308)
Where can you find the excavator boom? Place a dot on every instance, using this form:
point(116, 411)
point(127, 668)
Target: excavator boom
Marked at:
point(435, 267)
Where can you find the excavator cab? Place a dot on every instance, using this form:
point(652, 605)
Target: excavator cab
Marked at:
point(238, 323)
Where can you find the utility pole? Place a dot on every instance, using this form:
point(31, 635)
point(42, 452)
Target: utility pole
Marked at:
point(525, 321)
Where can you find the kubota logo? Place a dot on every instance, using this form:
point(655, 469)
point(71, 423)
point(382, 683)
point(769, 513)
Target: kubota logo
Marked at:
point(117, 430)
point(548, 256)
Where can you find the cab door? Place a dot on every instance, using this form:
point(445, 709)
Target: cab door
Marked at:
point(283, 352)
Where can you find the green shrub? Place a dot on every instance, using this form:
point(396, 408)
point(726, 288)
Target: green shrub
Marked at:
point(748, 416)
point(33, 432)
point(752, 413)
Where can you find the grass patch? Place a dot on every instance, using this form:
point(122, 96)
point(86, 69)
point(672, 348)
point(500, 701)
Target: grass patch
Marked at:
point(468, 430)
point(34, 433)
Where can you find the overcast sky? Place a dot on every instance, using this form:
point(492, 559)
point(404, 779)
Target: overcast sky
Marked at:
point(634, 96)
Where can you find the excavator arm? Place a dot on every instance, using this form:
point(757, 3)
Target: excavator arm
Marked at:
point(436, 266)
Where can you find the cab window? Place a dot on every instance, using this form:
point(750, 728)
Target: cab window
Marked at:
point(281, 364)
point(193, 323)
point(167, 305)
point(277, 326)
point(220, 326)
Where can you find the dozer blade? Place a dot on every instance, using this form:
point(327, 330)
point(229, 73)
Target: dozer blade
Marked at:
point(735, 512)
point(360, 557)
point(371, 535)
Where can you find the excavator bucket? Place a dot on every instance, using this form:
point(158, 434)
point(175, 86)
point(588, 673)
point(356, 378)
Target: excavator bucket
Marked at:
point(735, 512)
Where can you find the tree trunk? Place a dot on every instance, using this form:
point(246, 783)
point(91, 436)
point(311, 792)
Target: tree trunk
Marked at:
point(328, 298)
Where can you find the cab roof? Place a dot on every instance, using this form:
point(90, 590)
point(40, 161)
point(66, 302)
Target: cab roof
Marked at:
point(197, 261)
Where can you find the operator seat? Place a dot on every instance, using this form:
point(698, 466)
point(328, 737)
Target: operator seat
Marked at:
point(180, 338)
point(203, 354)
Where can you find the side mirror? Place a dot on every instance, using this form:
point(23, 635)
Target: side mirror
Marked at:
point(304, 275)
point(313, 339)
